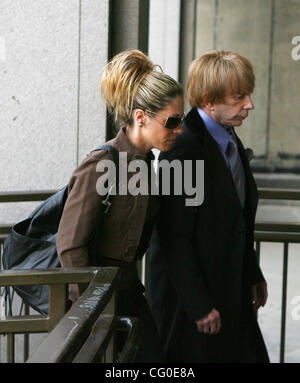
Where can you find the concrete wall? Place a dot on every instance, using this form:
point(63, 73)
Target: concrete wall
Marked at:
point(129, 25)
point(164, 38)
point(51, 114)
point(284, 133)
point(51, 57)
point(164, 33)
point(261, 31)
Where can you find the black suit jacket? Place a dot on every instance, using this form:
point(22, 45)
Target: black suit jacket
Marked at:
point(206, 251)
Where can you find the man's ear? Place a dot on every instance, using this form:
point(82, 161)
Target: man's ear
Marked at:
point(207, 105)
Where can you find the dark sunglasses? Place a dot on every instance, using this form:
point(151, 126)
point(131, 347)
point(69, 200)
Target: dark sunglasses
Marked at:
point(172, 122)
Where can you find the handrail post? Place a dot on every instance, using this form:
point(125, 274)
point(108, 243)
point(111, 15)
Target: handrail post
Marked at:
point(10, 348)
point(58, 294)
point(283, 302)
point(26, 336)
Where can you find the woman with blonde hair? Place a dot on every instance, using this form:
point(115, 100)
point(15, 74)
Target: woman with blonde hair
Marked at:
point(148, 106)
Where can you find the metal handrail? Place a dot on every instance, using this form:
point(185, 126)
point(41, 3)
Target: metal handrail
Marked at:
point(64, 341)
point(31, 196)
point(288, 227)
point(98, 340)
point(133, 328)
point(279, 194)
point(47, 276)
point(25, 196)
point(272, 236)
point(61, 277)
point(21, 196)
point(71, 338)
point(58, 280)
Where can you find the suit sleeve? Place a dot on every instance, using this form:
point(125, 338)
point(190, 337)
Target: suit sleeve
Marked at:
point(175, 229)
point(78, 221)
point(256, 273)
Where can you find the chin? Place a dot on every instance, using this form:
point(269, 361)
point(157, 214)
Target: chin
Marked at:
point(237, 123)
point(166, 147)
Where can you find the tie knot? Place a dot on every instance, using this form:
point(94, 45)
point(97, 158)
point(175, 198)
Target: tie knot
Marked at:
point(231, 134)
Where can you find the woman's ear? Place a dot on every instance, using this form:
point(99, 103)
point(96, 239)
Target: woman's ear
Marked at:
point(139, 116)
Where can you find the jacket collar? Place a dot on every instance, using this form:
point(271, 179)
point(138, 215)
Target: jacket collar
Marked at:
point(122, 143)
point(216, 165)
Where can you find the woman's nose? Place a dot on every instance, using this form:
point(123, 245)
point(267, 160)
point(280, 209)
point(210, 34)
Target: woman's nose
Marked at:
point(178, 129)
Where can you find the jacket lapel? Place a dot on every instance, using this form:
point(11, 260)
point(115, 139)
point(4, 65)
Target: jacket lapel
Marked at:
point(251, 189)
point(213, 158)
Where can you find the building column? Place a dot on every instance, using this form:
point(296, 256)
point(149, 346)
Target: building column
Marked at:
point(128, 29)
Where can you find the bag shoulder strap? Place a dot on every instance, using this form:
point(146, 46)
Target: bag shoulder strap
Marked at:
point(106, 203)
point(111, 150)
point(114, 154)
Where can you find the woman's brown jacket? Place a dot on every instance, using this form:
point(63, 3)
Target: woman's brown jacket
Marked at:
point(122, 226)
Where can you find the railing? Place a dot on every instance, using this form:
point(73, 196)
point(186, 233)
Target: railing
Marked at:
point(20, 197)
point(6, 197)
point(264, 232)
point(285, 233)
point(87, 332)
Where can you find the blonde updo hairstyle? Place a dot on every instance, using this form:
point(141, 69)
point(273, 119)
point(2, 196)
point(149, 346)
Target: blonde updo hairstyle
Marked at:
point(130, 81)
point(214, 74)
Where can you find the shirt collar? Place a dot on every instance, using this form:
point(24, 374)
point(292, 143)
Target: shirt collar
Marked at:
point(219, 134)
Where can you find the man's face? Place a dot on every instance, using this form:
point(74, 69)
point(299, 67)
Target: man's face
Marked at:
point(233, 110)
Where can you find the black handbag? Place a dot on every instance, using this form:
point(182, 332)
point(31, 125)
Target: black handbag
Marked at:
point(32, 242)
